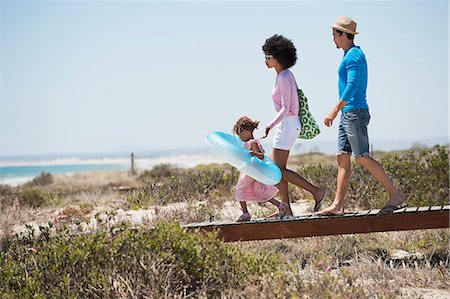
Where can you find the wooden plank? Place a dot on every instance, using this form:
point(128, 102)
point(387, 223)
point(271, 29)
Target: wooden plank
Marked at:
point(411, 209)
point(292, 227)
point(362, 213)
point(373, 212)
point(436, 208)
point(423, 209)
point(400, 211)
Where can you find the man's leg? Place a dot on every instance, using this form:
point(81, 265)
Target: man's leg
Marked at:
point(375, 168)
point(344, 175)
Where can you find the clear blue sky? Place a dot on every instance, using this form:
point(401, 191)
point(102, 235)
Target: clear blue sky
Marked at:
point(128, 76)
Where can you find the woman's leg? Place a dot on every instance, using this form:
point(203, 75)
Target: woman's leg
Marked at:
point(280, 158)
point(294, 178)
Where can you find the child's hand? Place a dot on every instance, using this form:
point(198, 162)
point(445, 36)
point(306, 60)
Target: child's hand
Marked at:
point(257, 154)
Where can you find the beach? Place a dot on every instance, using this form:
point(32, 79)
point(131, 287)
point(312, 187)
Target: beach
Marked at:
point(18, 170)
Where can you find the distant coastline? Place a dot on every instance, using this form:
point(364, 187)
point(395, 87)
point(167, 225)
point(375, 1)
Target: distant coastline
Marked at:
point(18, 169)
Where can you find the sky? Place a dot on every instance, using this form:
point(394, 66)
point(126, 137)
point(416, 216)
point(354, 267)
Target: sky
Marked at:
point(108, 76)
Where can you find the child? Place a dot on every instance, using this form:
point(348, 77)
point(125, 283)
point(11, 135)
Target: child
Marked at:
point(247, 188)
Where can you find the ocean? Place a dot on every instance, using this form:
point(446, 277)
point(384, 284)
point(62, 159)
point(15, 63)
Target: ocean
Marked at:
point(18, 170)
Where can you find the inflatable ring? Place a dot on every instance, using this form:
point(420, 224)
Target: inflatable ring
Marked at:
point(230, 149)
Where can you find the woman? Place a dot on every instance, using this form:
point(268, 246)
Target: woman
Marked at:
point(280, 54)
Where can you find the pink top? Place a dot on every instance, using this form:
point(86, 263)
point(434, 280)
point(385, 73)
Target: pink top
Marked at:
point(249, 189)
point(248, 145)
point(284, 95)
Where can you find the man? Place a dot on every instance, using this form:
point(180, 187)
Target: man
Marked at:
point(352, 136)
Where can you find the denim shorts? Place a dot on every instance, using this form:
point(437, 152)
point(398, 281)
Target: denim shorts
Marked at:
point(352, 134)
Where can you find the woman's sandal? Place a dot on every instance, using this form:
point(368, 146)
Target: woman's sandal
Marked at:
point(321, 201)
point(281, 210)
point(244, 217)
point(388, 209)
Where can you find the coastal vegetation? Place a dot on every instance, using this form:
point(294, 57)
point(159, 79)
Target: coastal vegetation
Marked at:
point(69, 237)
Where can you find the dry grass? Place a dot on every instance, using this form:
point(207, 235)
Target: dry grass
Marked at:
point(352, 266)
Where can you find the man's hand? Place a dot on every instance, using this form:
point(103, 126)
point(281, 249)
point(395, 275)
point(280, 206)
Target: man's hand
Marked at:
point(330, 117)
point(333, 113)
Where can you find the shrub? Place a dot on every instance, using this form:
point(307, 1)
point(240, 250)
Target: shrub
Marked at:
point(422, 176)
point(34, 198)
point(165, 261)
point(192, 184)
point(7, 196)
point(43, 179)
point(160, 171)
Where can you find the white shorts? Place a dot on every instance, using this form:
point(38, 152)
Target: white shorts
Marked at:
point(286, 132)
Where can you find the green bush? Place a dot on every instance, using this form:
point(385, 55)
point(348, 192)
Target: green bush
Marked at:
point(125, 262)
point(28, 197)
point(7, 196)
point(422, 176)
point(160, 171)
point(191, 184)
point(34, 198)
point(43, 179)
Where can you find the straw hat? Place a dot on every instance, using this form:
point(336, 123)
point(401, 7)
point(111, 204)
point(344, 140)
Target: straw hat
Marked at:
point(345, 24)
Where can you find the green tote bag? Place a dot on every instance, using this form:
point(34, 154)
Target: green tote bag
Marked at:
point(310, 128)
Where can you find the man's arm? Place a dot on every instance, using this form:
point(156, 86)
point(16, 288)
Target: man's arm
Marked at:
point(334, 112)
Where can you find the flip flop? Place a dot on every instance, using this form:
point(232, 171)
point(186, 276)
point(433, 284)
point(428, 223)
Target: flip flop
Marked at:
point(388, 209)
point(281, 210)
point(330, 214)
point(244, 217)
point(321, 201)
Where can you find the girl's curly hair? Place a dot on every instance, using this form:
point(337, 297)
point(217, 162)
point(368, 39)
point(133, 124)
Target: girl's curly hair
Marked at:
point(245, 123)
point(282, 50)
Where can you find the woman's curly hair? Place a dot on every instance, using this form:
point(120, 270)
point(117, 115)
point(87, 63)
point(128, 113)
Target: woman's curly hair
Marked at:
point(282, 50)
point(245, 123)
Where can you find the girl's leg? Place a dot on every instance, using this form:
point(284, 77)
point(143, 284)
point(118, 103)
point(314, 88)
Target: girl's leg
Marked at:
point(244, 206)
point(245, 214)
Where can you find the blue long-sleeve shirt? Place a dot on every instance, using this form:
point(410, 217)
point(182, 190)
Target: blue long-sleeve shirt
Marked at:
point(353, 79)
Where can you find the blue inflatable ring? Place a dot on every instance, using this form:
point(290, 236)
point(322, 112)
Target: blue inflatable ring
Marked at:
point(230, 149)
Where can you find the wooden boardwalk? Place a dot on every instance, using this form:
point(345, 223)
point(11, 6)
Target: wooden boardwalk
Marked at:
point(358, 222)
